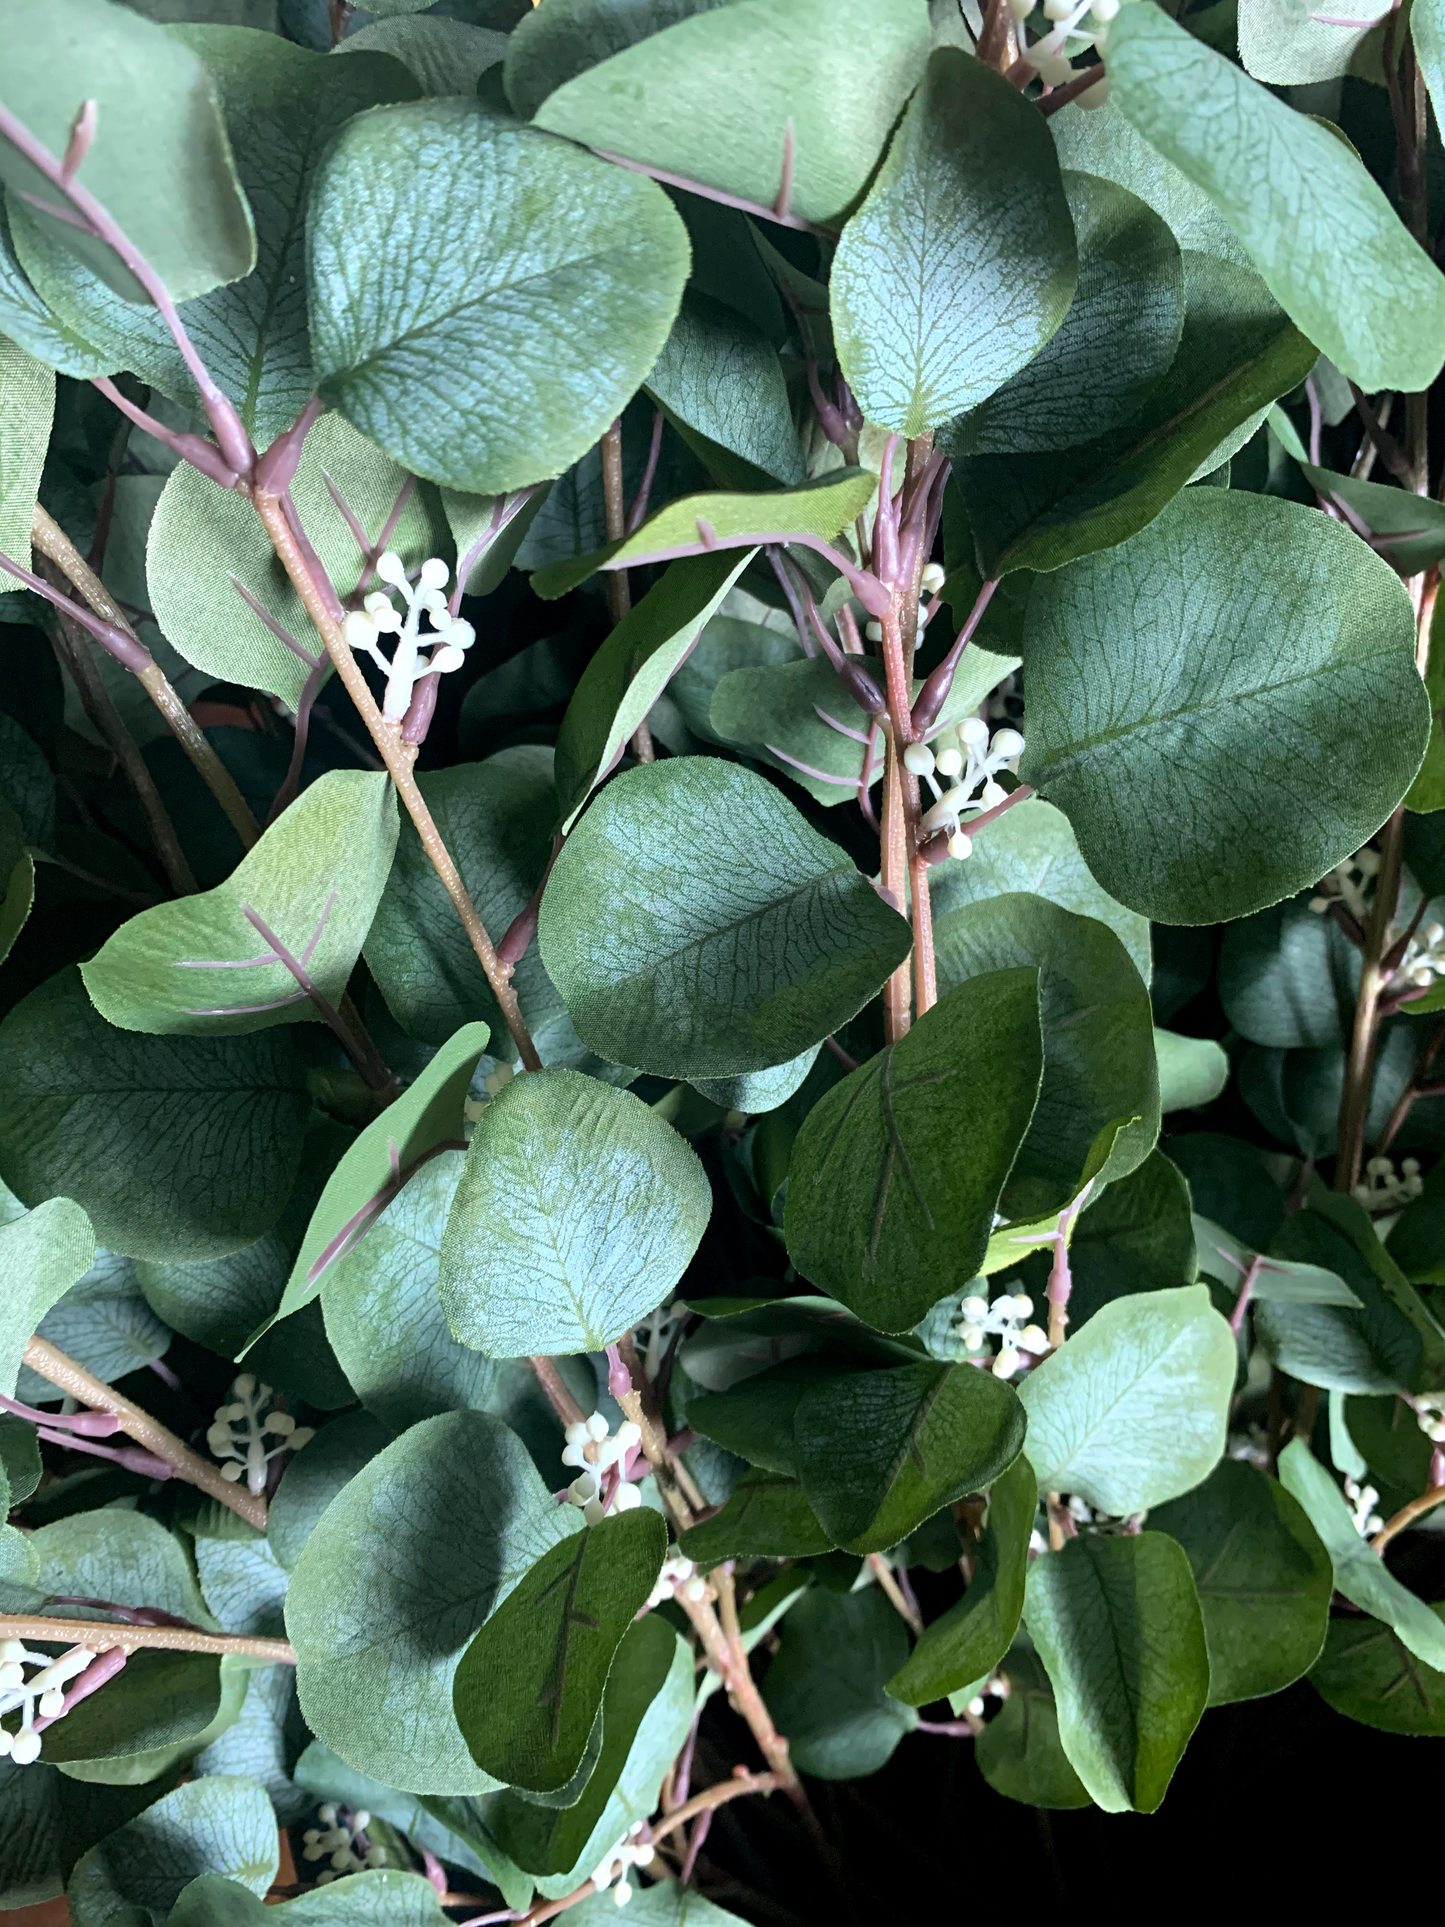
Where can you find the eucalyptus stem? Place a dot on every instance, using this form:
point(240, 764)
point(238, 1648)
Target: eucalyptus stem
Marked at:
point(103, 1636)
point(76, 1382)
point(52, 542)
point(619, 587)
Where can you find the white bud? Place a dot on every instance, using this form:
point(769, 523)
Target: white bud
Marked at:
point(281, 1423)
point(977, 1708)
point(974, 732)
point(577, 1433)
point(327, 1815)
point(1093, 97)
point(1020, 9)
point(361, 1820)
point(597, 1427)
point(26, 1747)
point(993, 794)
point(945, 810)
point(51, 1703)
point(622, 1893)
point(695, 1590)
point(376, 1857)
point(1007, 1363)
point(246, 1385)
point(933, 578)
point(972, 1336)
point(627, 1497)
point(1054, 68)
point(1007, 743)
point(460, 634)
point(1105, 10)
point(303, 1435)
point(391, 568)
point(974, 1308)
point(582, 1489)
point(1058, 9)
point(960, 845)
point(11, 1649)
point(434, 573)
point(1023, 1305)
point(948, 763)
point(232, 1471)
point(219, 1437)
point(593, 1512)
point(918, 759)
point(629, 1434)
point(874, 631)
point(11, 1675)
point(1033, 1339)
point(445, 659)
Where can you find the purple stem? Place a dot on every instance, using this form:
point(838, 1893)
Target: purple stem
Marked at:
point(682, 1779)
point(869, 591)
point(278, 630)
point(819, 775)
point(131, 1615)
point(649, 474)
point(90, 1425)
point(360, 1222)
point(131, 1457)
point(164, 1373)
point(420, 710)
point(315, 567)
point(928, 704)
point(936, 848)
point(701, 1827)
point(856, 735)
point(1312, 396)
point(348, 516)
point(129, 653)
point(848, 1062)
point(619, 1379)
point(433, 1869)
point(885, 523)
point(231, 436)
point(784, 202)
point(1246, 1292)
point(691, 186)
point(867, 776)
point(789, 588)
point(297, 967)
point(518, 935)
point(276, 470)
point(291, 782)
point(946, 1729)
point(103, 1667)
point(195, 449)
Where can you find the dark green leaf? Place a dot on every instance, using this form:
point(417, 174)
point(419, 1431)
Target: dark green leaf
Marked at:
point(384, 1899)
point(442, 56)
point(543, 52)
point(331, 1461)
point(719, 382)
point(27, 405)
point(1367, 1673)
point(529, 1685)
point(767, 1517)
point(1134, 1236)
point(967, 1642)
point(825, 1686)
point(1263, 1578)
point(1370, 1349)
point(1200, 772)
point(161, 1701)
point(1019, 1752)
point(482, 345)
point(696, 926)
point(1288, 977)
point(1118, 1627)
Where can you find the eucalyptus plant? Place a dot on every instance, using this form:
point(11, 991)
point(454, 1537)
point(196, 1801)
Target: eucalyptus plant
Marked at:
point(648, 644)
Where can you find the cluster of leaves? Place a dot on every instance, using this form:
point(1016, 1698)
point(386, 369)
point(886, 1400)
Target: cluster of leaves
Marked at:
point(702, 303)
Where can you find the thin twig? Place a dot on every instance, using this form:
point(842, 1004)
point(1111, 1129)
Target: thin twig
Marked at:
point(76, 1382)
point(1407, 1515)
point(716, 1796)
point(102, 1636)
point(893, 1593)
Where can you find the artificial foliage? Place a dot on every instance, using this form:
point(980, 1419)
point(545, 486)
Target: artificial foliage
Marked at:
point(722, 930)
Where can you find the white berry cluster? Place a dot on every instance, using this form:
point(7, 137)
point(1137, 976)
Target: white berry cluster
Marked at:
point(1050, 57)
point(1363, 1500)
point(43, 1693)
point(970, 767)
point(1424, 960)
point(995, 1687)
point(1384, 1189)
point(238, 1433)
point(1350, 883)
point(448, 638)
point(1003, 1319)
point(590, 1448)
point(341, 1840)
point(1430, 1415)
point(678, 1575)
point(628, 1853)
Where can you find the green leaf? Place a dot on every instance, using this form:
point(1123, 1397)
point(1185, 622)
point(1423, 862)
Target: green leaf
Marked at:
point(122, 1555)
point(820, 509)
point(1133, 1236)
point(104, 1323)
point(491, 529)
point(1099, 140)
point(1368, 1673)
point(881, 1212)
point(664, 1905)
point(797, 713)
point(329, 1463)
point(314, 879)
point(1360, 1573)
point(1371, 1347)
point(1116, 342)
point(1297, 197)
point(244, 1583)
point(576, 36)
point(472, 340)
point(1099, 1061)
point(720, 383)
point(282, 107)
point(1032, 848)
point(632, 668)
point(1133, 1409)
point(29, 322)
point(578, 1211)
point(19, 1458)
point(1229, 1185)
point(161, 1704)
point(1263, 1578)
point(1409, 529)
point(388, 1592)
point(715, 97)
point(1288, 977)
point(1286, 43)
point(1019, 1752)
point(825, 1686)
point(1193, 1071)
point(646, 1711)
point(201, 1134)
point(205, 540)
point(213, 1825)
point(529, 1686)
point(696, 926)
point(1119, 1629)
point(427, 1114)
point(385, 1320)
point(961, 263)
point(26, 783)
point(384, 1899)
point(880, 1452)
point(755, 1091)
point(17, 881)
point(160, 163)
point(1236, 355)
point(27, 404)
point(41, 1256)
point(442, 56)
point(766, 1517)
point(1200, 771)
point(968, 1641)
point(1427, 36)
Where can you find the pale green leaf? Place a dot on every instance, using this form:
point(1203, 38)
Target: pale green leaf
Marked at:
point(474, 340)
point(961, 263)
point(1286, 43)
point(383, 1899)
point(720, 383)
point(42, 1254)
point(543, 51)
point(1133, 1409)
point(213, 1825)
point(1193, 1071)
point(27, 403)
point(1184, 694)
point(442, 56)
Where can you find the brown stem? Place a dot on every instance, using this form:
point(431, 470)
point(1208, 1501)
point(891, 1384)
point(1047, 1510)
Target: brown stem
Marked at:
point(993, 42)
point(397, 758)
point(619, 588)
point(736, 1675)
point(893, 855)
point(72, 646)
point(716, 1796)
point(52, 542)
point(560, 1399)
point(1407, 1515)
point(53, 1365)
point(101, 1636)
point(893, 1593)
point(1360, 1064)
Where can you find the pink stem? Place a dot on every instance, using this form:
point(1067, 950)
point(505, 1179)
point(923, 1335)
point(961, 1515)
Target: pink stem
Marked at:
point(90, 1425)
point(103, 1667)
point(1246, 1292)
